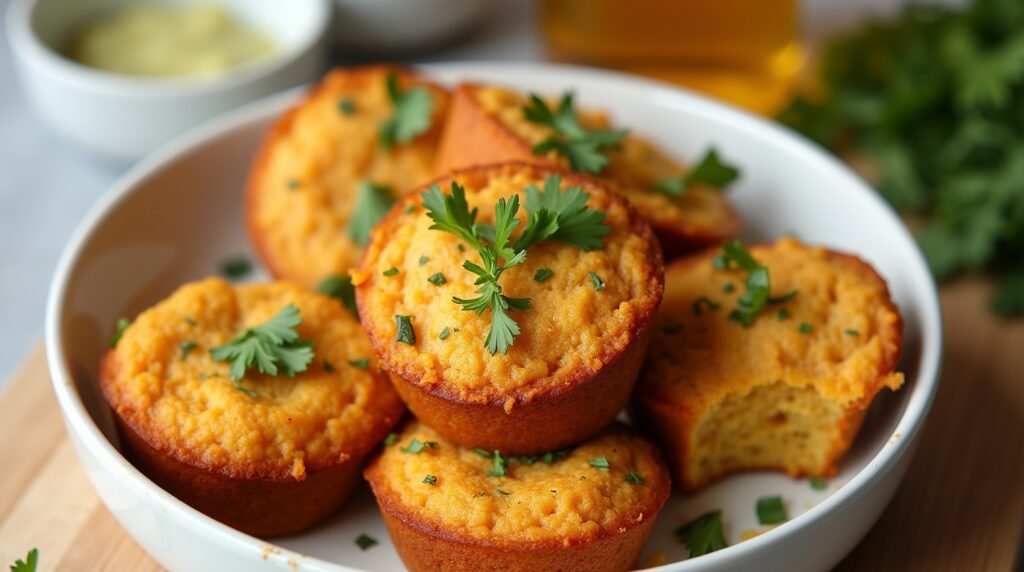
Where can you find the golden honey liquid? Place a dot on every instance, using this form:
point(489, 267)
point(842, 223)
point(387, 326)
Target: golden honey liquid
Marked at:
point(743, 51)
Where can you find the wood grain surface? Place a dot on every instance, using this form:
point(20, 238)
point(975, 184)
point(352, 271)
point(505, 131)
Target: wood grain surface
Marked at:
point(961, 506)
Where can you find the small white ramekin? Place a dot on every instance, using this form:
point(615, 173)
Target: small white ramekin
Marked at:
point(123, 117)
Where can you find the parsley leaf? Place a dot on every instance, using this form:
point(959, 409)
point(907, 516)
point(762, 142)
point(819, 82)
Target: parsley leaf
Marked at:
point(413, 108)
point(580, 146)
point(710, 171)
point(770, 510)
point(340, 287)
point(372, 203)
point(28, 564)
point(405, 334)
point(430, 480)
point(600, 462)
point(553, 214)
point(365, 542)
point(416, 446)
point(635, 479)
point(186, 347)
point(542, 274)
point(119, 328)
point(703, 534)
point(267, 346)
point(499, 466)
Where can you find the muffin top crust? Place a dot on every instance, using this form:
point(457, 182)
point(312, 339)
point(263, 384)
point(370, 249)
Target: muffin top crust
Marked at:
point(162, 381)
point(585, 307)
point(307, 181)
point(839, 333)
point(602, 487)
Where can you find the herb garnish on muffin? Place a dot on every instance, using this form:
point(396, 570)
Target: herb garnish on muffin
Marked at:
point(553, 214)
point(413, 108)
point(710, 171)
point(758, 285)
point(372, 203)
point(582, 147)
point(269, 345)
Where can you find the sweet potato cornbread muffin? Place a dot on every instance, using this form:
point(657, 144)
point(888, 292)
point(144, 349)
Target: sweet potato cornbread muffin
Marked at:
point(452, 508)
point(522, 332)
point(266, 454)
point(488, 125)
point(766, 360)
point(330, 168)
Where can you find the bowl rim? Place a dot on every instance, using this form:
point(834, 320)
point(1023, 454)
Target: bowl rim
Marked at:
point(27, 46)
point(899, 444)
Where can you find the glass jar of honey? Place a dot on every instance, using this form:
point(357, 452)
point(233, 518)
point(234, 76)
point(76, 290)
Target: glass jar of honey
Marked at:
point(746, 52)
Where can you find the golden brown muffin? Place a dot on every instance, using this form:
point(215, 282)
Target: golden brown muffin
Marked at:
point(486, 125)
point(589, 508)
point(790, 391)
point(267, 455)
point(308, 176)
point(573, 365)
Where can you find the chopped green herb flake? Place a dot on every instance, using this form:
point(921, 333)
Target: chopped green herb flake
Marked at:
point(365, 542)
point(430, 480)
point(341, 288)
point(805, 328)
point(703, 535)
point(372, 203)
point(783, 314)
point(293, 184)
point(437, 279)
point(483, 453)
point(703, 302)
point(238, 385)
point(409, 209)
point(758, 286)
point(361, 363)
point(635, 479)
point(390, 439)
point(501, 491)
point(186, 347)
point(347, 106)
point(600, 462)
point(405, 334)
point(852, 332)
point(190, 321)
point(770, 510)
point(499, 466)
point(413, 108)
point(598, 283)
point(328, 367)
point(424, 260)
point(267, 347)
point(550, 457)
point(236, 268)
point(416, 446)
point(542, 274)
point(119, 328)
point(728, 287)
point(444, 334)
point(390, 272)
point(818, 483)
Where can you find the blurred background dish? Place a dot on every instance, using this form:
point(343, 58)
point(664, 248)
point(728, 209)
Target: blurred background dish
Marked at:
point(123, 116)
point(396, 26)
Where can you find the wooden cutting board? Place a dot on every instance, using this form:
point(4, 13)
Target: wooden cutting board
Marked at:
point(961, 506)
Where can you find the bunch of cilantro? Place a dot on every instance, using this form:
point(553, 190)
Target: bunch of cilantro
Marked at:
point(935, 99)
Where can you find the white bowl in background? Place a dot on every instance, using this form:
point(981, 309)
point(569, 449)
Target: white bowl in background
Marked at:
point(178, 214)
point(124, 117)
point(394, 26)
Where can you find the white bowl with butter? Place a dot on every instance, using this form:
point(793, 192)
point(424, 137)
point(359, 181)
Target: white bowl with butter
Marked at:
point(153, 92)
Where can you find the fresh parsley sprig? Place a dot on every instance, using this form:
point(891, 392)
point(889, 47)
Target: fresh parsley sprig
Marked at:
point(580, 146)
point(268, 346)
point(552, 214)
point(710, 171)
point(758, 283)
point(413, 108)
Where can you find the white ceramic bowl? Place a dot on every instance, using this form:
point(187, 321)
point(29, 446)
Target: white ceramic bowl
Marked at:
point(124, 117)
point(401, 25)
point(177, 214)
